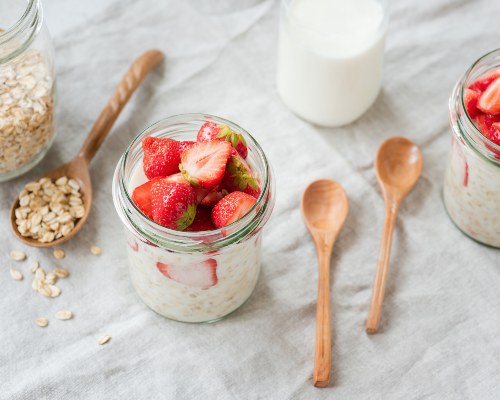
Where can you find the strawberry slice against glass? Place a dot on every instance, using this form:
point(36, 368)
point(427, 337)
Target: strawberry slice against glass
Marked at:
point(489, 102)
point(201, 276)
point(204, 163)
point(212, 131)
point(174, 204)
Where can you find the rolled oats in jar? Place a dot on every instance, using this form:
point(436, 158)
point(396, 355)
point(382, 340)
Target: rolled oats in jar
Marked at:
point(27, 81)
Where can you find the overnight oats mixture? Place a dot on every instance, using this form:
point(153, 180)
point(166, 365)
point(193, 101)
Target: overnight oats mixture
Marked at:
point(200, 186)
point(472, 181)
point(26, 109)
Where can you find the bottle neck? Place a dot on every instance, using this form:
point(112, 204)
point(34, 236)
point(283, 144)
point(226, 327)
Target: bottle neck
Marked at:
point(17, 38)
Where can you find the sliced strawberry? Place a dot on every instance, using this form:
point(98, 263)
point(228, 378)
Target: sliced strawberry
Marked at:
point(175, 178)
point(201, 276)
point(212, 198)
point(489, 102)
point(161, 156)
point(204, 163)
point(142, 198)
point(231, 208)
point(239, 176)
point(186, 144)
point(484, 123)
point(482, 84)
point(212, 131)
point(202, 221)
point(174, 204)
point(471, 98)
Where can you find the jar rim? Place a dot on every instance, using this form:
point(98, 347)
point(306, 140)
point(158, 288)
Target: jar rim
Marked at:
point(32, 17)
point(159, 235)
point(465, 127)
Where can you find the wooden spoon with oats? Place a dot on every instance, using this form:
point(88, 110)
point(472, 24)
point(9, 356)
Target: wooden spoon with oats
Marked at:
point(77, 170)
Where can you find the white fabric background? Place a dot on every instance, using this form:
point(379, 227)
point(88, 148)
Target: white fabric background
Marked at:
point(440, 333)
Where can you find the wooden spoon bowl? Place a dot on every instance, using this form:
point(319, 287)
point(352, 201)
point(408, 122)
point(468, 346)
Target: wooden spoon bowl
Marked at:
point(78, 168)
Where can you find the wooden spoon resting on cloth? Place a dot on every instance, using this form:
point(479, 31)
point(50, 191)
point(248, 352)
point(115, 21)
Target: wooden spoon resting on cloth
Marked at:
point(78, 167)
point(398, 166)
point(324, 208)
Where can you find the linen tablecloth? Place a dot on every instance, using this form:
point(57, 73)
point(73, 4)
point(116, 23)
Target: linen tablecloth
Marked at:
point(440, 332)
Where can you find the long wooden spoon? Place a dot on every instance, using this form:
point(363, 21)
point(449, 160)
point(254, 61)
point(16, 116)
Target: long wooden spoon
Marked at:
point(398, 166)
point(324, 208)
point(78, 168)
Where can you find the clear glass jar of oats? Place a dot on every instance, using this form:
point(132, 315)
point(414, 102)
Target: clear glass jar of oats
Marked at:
point(27, 87)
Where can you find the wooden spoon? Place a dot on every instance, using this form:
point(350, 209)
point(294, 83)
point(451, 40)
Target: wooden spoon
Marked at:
point(324, 208)
point(398, 166)
point(78, 168)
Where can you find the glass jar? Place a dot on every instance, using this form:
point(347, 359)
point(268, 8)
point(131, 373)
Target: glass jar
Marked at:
point(330, 58)
point(228, 258)
point(27, 87)
point(472, 178)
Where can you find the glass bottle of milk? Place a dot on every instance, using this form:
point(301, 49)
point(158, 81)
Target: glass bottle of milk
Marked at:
point(330, 57)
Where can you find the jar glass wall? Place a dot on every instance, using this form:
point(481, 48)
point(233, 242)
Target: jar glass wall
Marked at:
point(472, 178)
point(218, 269)
point(27, 87)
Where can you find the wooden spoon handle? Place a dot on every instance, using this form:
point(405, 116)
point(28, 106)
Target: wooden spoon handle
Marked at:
point(323, 347)
point(375, 311)
point(129, 83)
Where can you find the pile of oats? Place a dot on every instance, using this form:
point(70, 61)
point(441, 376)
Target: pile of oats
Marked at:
point(26, 109)
point(49, 210)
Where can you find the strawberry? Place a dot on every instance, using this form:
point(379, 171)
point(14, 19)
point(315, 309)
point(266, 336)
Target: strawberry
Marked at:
point(239, 176)
point(212, 198)
point(201, 276)
point(482, 84)
point(494, 135)
point(484, 123)
point(179, 178)
point(231, 208)
point(211, 131)
point(204, 163)
point(202, 221)
point(185, 145)
point(471, 98)
point(142, 198)
point(489, 102)
point(174, 204)
point(161, 156)
point(175, 178)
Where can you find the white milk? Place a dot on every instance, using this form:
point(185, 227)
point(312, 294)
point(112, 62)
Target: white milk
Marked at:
point(330, 58)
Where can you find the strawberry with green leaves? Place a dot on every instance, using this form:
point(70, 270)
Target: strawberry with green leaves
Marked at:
point(239, 176)
point(212, 131)
point(173, 204)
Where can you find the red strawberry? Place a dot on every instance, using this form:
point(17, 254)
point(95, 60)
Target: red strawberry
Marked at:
point(175, 178)
point(161, 156)
point(212, 198)
point(202, 275)
point(202, 221)
point(142, 198)
point(179, 178)
point(185, 145)
point(494, 135)
point(471, 98)
point(482, 84)
point(174, 204)
point(211, 131)
point(231, 208)
point(239, 176)
point(204, 163)
point(489, 102)
point(485, 121)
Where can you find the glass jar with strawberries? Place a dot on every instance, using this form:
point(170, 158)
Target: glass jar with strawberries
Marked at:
point(194, 192)
point(472, 179)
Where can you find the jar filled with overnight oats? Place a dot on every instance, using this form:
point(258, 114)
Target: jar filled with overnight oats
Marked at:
point(472, 178)
point(192, 276)
point(27, 86)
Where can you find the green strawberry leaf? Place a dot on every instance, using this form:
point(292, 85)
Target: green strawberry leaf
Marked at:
point(187, 217)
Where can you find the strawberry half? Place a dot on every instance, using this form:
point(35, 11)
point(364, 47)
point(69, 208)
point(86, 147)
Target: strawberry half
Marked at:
point(204, 163)
point(231, 208)
point(174, 204)
point(211, 131)
point(202, 221)
point(471, 97)
point(161, 156)
point(212, 198)
point(489, 102)
point(142, 198)
point(186, 144)
point(482, 84)
point(201, 276)
point(239, 176)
